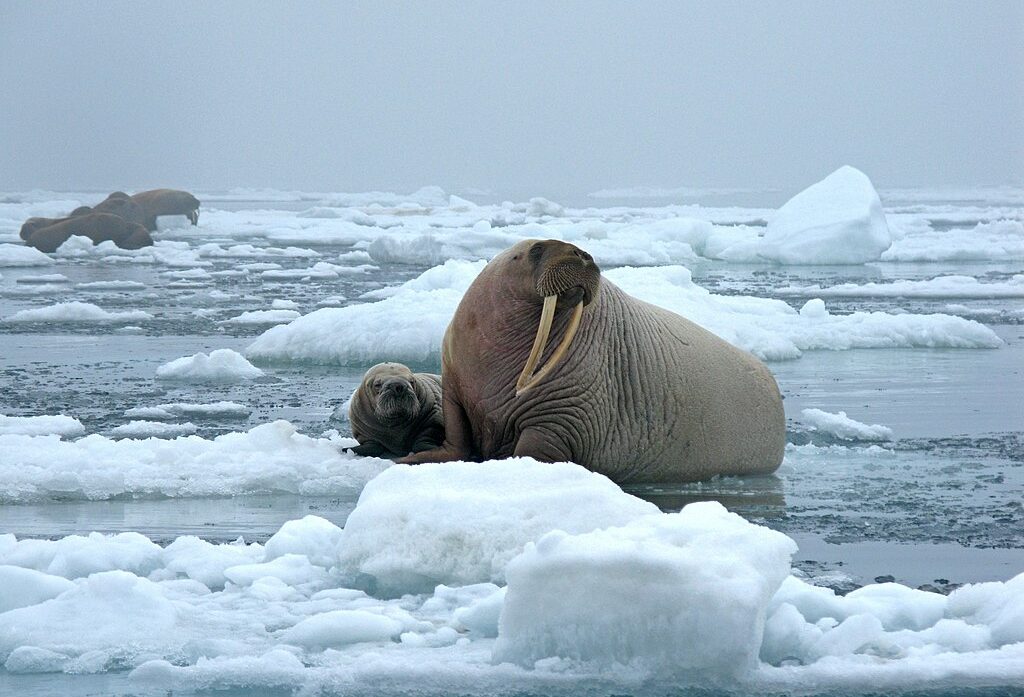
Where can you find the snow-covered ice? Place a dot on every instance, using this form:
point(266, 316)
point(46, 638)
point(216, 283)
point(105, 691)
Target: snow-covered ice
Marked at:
point(59, 425)
point(153, 429)
point(271, 457)
point(839, 220)
point(842, 426)
point(938, 287)
point(408, 324)
point(173, 410)
point(222, 365)
point(20, 255)
point(76, 312)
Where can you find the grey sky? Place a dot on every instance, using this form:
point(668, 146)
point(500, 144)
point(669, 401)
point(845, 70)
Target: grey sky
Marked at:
point(543, 97)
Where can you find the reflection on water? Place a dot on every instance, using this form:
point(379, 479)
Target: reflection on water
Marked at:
point(753, 497)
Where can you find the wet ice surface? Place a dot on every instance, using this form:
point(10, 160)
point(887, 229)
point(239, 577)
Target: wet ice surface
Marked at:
point(938, 506)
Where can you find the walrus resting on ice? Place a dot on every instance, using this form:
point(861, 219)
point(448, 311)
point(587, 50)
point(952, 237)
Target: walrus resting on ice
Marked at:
point(623, 388)
point(159, 202)
point(395, 412)
point(98, 227)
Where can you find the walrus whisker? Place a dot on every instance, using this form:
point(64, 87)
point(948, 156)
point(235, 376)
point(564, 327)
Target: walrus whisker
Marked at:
point(540, 342)
point(563, 346)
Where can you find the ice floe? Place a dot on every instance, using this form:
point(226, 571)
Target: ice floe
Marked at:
point(839, 220)
point(271, 457)
point(173, 410)
point(408, 323)
point(152, 429)
point(842, 426)
point(58, 425)
point(221, 365)
point(459, 523)
point(76, 312)
point(20, 255)
point(954, 286)
point(631, 599)
point(263, 317)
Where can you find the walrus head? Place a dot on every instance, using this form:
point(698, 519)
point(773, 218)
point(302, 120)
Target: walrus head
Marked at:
point(388, 387)
point(562, 276)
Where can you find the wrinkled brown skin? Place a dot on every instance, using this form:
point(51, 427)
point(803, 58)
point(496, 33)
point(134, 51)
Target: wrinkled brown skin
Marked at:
point(159, 202)
point(642, 395)
point(417, 425)
point(98, 227)
point(121, 204)
point(31, 225)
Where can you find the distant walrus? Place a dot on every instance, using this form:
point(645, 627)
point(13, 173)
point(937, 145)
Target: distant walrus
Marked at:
point(632, 390)
point(159, 202)
point(121, 204)
point(98, 227)
point(395, 412)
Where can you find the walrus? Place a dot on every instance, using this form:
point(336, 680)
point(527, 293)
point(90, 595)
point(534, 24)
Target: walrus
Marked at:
point(157, 202)
point(395, 412)
point(121, 204)
point(629, 390)
point(99, 227)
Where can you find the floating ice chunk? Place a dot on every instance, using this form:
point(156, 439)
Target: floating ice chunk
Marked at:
point(292, 569)
point(269, 458)
point(342, 627)
point(280, 304)
point(839, 220)
point(263, 317)
point(316, 538)
point(20, 255)
point(31, 659)
point(76, 312)
point(206, 562)
point(1000, 240)
point(842, 426)
point(24, 587)
point(460, 522)
point(685, 593)
point(939, 287)
point(59, 425)
point(75, 556)
point(482, 615)
point(248, 251)
point(407, 326)
point(320, 270)
point(152, 429)
point(214, 410)
point(222, 365)
point(43, 278)
point(110, 285)
point(115, 614)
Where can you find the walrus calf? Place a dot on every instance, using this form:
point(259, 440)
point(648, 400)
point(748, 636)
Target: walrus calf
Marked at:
point(98, 227)
point(629, 390)
point(157, 202)
point(395, 412)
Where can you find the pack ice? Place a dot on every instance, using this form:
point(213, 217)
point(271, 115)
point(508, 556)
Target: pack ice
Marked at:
point(477, 577)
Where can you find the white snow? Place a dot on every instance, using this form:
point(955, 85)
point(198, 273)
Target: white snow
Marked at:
point(58, 425)
point(839, 220)
point(76, 312)
point(953, 286)
point(271, 457)
point(221, 365)
point(842, 426)
point(1000, 240)
point(152, 429)
point(457, 523)
point(20, 255)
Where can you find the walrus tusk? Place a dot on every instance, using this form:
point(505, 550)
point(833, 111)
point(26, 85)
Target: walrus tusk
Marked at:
point(525, 382)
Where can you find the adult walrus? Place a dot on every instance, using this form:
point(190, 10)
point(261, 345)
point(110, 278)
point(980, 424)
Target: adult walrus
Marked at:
point(395, 412)
point(157, 202)
point(98, 227)
point(631, 390)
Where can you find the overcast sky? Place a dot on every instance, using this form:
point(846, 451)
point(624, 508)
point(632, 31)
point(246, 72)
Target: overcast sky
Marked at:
point(545, 97)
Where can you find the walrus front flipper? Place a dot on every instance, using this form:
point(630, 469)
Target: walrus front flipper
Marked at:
point(458, 437)
point(370, 448)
